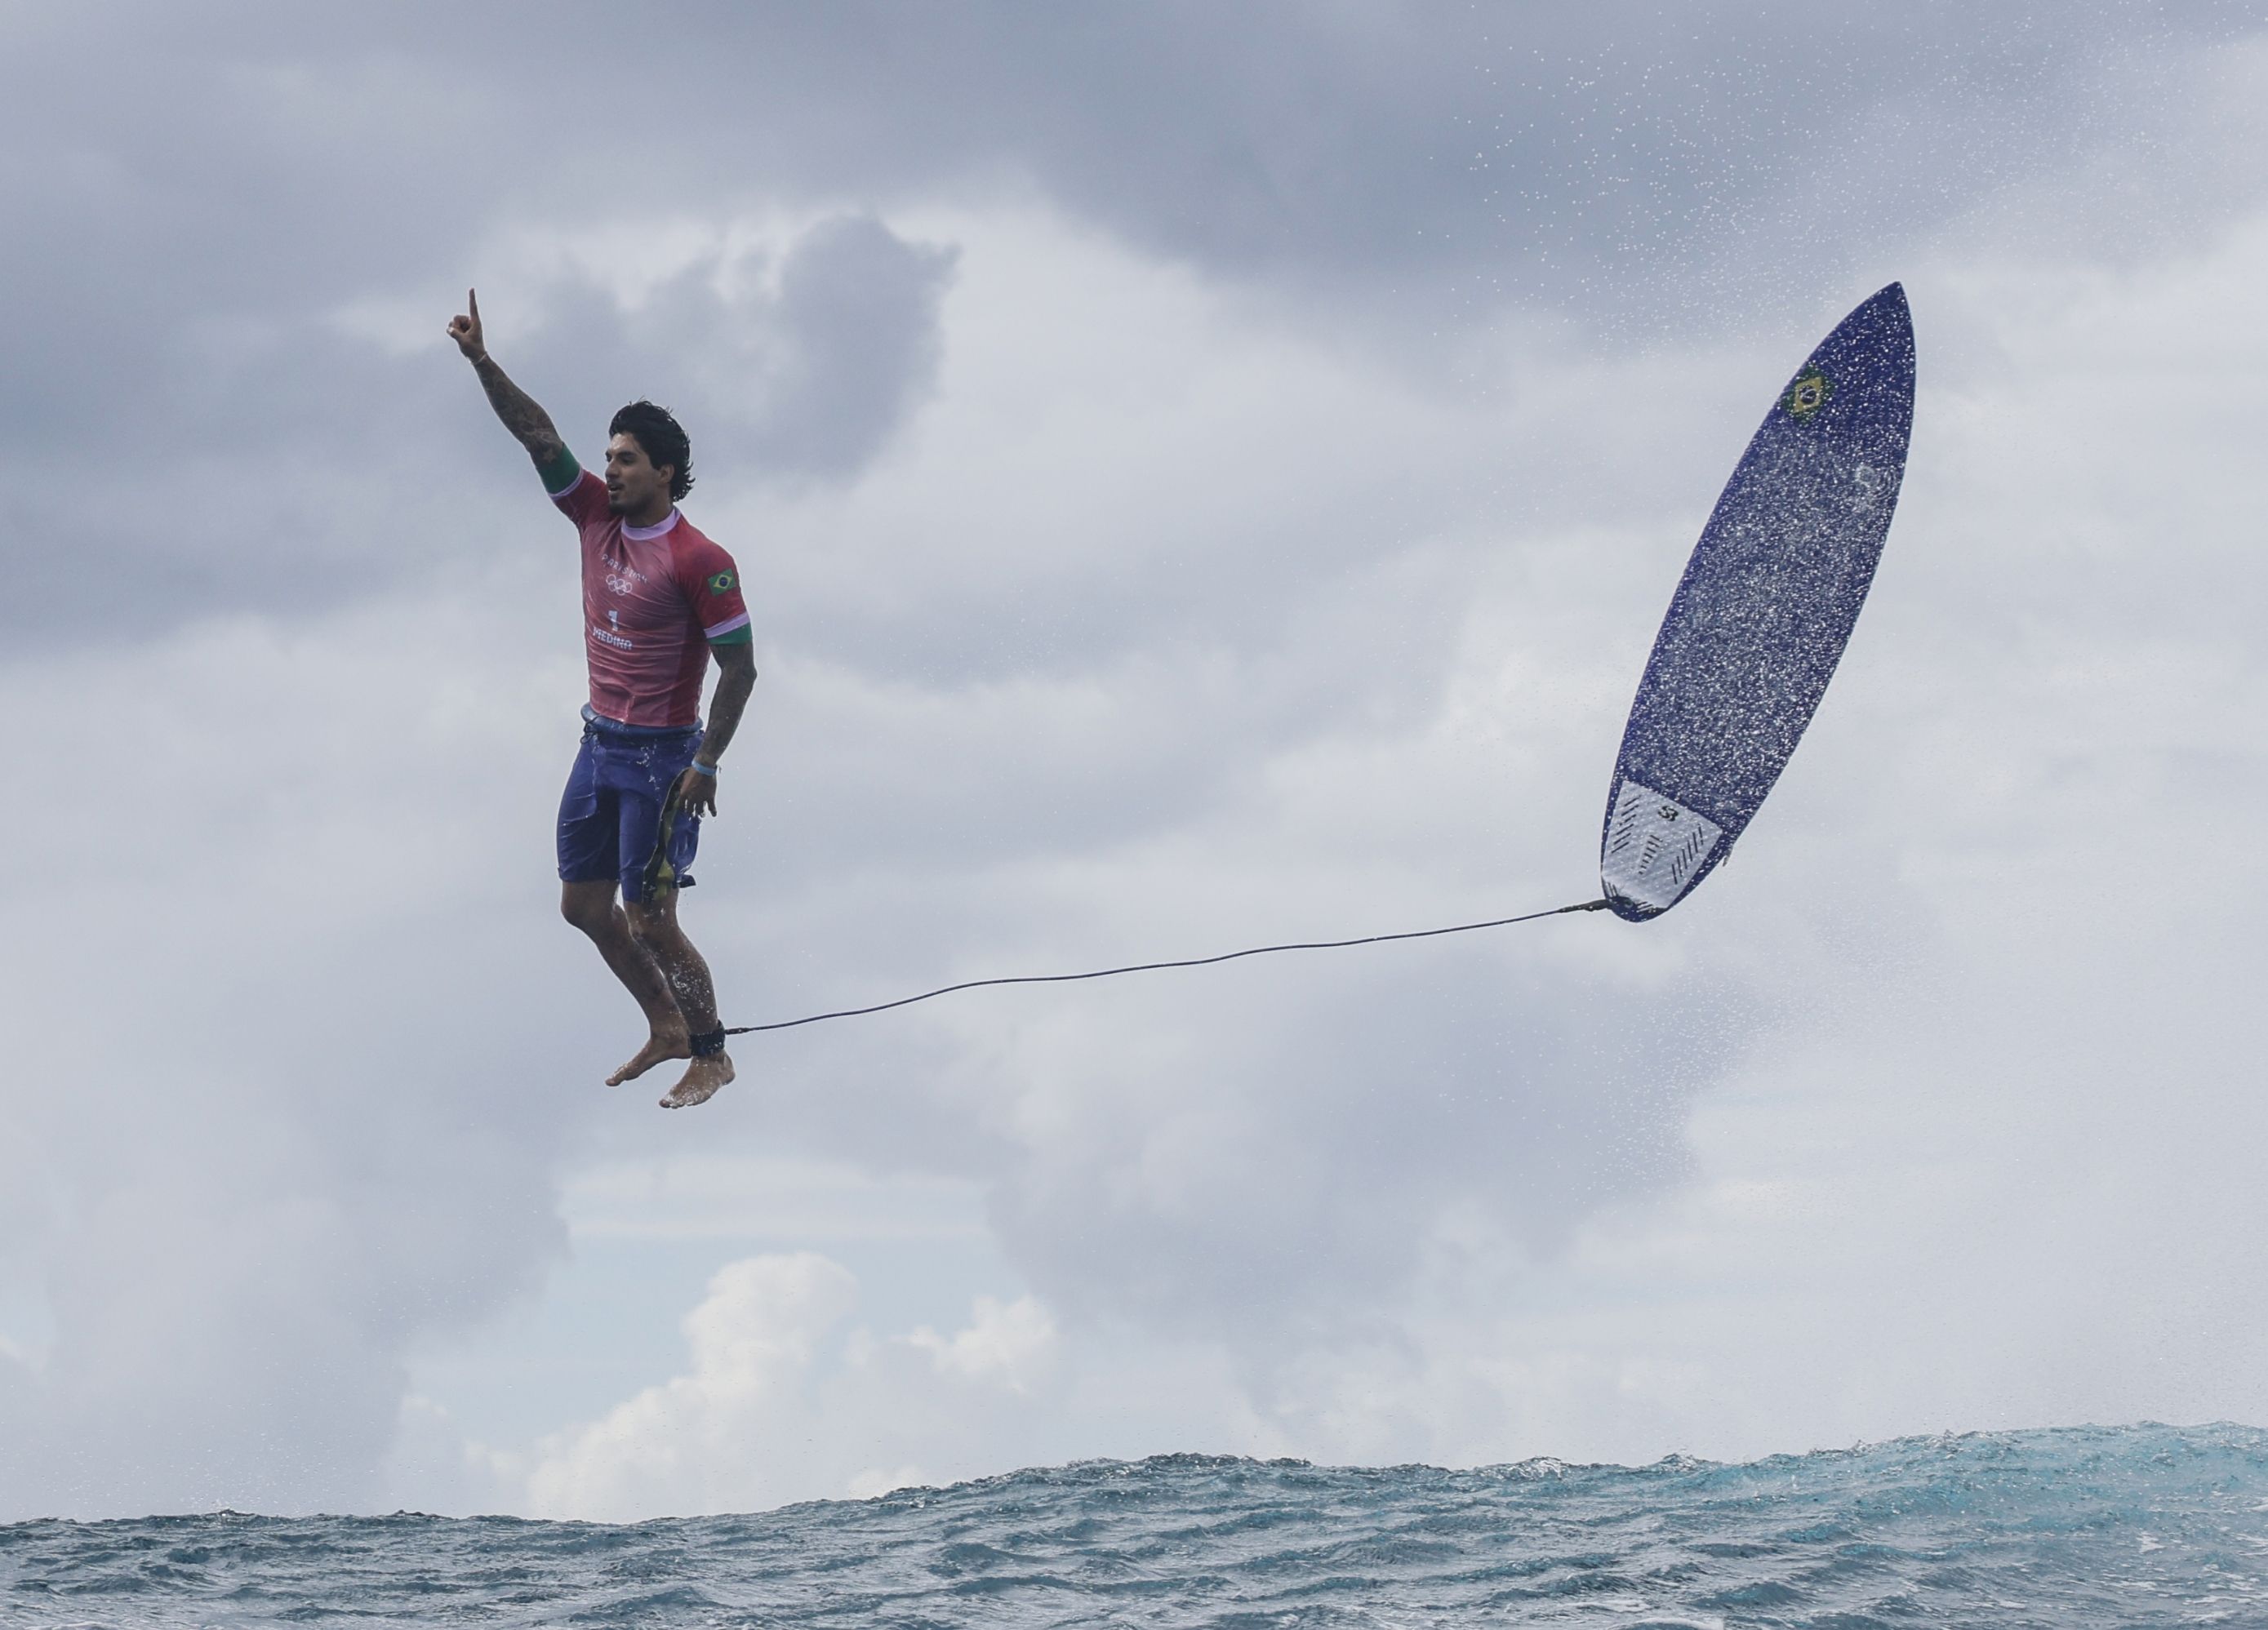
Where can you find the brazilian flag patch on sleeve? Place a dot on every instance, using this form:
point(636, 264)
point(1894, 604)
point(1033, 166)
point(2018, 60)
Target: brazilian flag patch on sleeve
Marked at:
point(722, 582)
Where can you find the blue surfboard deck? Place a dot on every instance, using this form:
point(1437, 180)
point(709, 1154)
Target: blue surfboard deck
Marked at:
point(1762, 614)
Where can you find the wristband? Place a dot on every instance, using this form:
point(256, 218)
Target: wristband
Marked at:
point(710, 770)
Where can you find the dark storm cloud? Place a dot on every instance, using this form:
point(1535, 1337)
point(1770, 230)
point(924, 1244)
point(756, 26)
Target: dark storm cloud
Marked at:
point(255, 161)
point(279, 465)
point(809, 372)
point(1452, 157)
point(194, 194)
point(1583, 155)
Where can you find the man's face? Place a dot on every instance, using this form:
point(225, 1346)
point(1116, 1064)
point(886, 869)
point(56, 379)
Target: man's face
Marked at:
point(634, 485)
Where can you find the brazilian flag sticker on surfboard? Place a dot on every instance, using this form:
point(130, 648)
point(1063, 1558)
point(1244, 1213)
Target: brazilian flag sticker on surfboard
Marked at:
point(1807, 395)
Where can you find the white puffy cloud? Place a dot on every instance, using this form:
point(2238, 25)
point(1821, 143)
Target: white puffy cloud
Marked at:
point(1008, 1343)
point(776, 1406)
point(710, 1440)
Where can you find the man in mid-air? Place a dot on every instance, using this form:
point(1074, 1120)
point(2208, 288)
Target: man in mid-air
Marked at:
point(659, 600)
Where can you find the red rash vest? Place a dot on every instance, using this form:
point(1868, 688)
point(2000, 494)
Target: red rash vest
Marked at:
point(654, 598)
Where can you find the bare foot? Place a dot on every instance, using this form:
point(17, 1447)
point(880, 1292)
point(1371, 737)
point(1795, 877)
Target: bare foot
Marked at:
point(700, 1082)
point(663, 1044)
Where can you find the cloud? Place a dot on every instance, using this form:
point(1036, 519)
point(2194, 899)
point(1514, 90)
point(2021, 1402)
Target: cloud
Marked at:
point(1730, 1181)
point(191, 411)
point(1420, 1201)
point(1008, 1343)
point(286, 1120)
point(801, 363)
point(1141, 574)
point(298, 462)
point(704, 1440)
point(761, 1415)
point(1605, 158)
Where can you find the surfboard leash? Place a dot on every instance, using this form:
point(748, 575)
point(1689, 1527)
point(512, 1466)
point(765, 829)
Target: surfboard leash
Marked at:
point(1151, 967)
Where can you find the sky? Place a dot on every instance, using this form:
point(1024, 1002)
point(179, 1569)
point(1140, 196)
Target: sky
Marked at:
point(1204, 476)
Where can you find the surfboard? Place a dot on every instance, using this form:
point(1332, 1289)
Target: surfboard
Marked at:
point(1762, 615)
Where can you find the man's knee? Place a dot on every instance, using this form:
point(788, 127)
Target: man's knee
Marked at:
point(588, 906)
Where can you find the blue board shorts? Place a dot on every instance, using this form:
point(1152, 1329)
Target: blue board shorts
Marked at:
point(611, 811)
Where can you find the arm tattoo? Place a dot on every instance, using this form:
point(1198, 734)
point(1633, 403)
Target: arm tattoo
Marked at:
point(520, 414)
point(736, 679)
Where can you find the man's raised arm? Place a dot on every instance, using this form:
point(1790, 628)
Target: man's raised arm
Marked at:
point(515, 407)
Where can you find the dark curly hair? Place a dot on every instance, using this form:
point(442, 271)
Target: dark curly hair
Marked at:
point(662, 438)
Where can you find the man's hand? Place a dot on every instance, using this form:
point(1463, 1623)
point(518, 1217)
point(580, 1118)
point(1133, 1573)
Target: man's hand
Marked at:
point(515, 407)
point(465, 331)
point(696, 792)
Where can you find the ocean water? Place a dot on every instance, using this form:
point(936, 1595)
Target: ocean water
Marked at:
point(2139, 1525)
